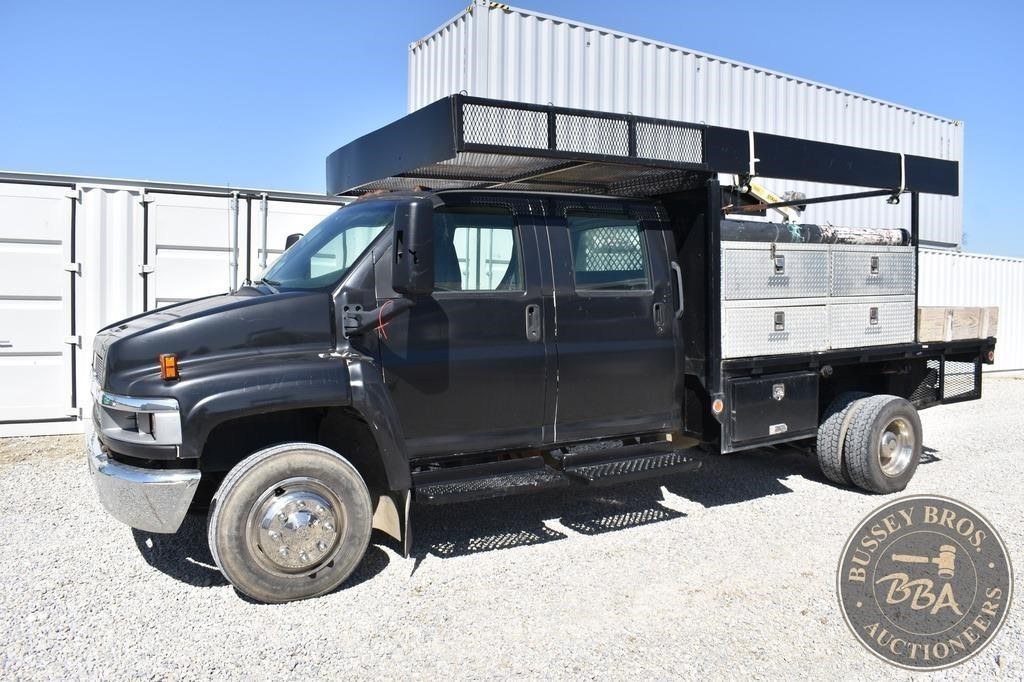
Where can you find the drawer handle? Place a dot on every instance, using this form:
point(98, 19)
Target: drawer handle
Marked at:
point(780, 321)
point(874, 265)
point(6, 344)
point(873, 316)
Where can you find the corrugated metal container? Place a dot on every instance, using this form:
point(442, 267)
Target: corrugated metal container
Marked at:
point(79, 253)
point(492, 50)
point(971, 279)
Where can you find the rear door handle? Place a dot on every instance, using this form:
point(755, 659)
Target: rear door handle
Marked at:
point(533, 322)
point(659, 316)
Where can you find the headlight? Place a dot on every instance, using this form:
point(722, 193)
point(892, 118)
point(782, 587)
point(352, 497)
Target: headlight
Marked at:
point(154, 421)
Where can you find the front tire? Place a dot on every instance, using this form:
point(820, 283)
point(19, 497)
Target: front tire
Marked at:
point(290, 522)
point(883, 445)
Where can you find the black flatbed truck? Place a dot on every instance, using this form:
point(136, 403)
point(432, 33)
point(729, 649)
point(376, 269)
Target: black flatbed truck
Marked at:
point(617, 328)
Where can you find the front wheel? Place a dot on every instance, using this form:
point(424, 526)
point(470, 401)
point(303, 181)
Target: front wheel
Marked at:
point(290, 522)
point(883, 444)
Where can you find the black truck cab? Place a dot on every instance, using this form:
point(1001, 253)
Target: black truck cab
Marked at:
point(456, 344)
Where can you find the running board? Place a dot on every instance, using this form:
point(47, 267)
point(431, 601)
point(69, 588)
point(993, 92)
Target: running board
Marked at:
point(485, 481)
point(627, 463)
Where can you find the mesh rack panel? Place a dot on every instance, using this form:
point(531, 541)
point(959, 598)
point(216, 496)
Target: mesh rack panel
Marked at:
point(504, 126)
point(948, 381)
point(960, 381)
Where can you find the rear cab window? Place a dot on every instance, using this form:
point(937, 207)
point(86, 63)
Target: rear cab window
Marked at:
point(608, 253)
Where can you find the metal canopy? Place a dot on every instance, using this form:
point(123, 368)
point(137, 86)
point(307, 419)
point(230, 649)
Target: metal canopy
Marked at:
point(468, 142)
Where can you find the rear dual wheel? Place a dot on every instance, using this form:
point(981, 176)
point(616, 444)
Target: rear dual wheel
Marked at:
point(290, 522)
point(873, 442)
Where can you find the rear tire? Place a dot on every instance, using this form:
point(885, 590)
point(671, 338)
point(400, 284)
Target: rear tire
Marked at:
point(289, 522)
point(830, 437)
point(883, 444)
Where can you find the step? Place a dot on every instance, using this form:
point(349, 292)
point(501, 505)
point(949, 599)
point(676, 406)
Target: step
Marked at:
point(485, 481)
point(629, 462)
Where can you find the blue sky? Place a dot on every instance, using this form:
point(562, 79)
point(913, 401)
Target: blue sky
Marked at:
point(257, 93)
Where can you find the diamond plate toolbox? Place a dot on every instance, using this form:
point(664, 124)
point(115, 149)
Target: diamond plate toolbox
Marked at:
point(759, 270)
point(859, 270)
point(871, 323)
point(772, 329)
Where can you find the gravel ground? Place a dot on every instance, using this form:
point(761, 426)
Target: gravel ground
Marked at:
point(727, 573)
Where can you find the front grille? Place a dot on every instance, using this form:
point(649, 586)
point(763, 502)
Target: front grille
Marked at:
point(99, 367)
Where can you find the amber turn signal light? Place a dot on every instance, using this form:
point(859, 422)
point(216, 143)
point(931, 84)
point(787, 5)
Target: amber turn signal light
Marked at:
point(168, 367)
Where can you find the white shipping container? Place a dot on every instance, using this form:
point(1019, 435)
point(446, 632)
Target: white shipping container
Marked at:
point(492, 50)
point(970, 279)
point(79, 253)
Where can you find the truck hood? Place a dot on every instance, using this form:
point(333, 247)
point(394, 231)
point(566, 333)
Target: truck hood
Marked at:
point(246, 323)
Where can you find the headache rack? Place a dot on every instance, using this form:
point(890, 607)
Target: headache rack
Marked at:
point(463, 142)
point(469, 143)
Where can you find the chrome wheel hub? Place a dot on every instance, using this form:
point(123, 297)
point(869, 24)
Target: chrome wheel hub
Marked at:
point(896, 447)
point(295, 526)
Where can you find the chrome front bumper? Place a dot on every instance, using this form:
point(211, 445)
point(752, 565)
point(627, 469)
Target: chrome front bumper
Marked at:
point(154, 500)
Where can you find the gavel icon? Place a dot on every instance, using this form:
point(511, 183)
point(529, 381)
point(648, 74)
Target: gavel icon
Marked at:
point(945, 561)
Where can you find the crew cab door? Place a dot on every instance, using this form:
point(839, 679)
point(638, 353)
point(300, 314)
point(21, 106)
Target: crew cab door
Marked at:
point(467, 366)
point(615, 320)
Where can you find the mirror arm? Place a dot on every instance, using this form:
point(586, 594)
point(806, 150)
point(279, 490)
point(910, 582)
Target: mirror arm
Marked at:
point(356, 320)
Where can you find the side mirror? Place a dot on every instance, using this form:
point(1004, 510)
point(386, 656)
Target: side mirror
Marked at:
point(412, 257)
point(290, 240)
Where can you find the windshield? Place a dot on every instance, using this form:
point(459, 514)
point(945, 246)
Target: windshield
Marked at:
point(320, 259)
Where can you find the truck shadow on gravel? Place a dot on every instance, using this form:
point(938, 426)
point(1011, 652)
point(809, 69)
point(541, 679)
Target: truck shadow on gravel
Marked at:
point(185, 556)
point(473, 527)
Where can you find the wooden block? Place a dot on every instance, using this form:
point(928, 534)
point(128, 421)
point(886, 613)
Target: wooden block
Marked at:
point(932, 324)
point(966, 323)
point(990, 325)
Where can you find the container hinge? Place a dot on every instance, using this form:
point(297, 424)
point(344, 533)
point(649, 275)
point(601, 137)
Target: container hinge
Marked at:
point(146, 268)
point(75, 412)
point(73, 267)
point(73, 341)
point(144, 198)
point(75, 194)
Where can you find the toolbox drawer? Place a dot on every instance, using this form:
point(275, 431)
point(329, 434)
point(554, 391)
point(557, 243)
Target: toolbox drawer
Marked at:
point(773, 330)
point(775, 407)
point(872, 270)
point(753, 270)
point(871, 323)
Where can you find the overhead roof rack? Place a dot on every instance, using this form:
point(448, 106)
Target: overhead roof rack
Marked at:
point(463, 142)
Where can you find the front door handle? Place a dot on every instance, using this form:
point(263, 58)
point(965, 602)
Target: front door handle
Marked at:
point(533, 322)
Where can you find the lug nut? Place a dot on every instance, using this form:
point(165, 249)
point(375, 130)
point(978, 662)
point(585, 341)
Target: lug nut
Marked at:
point(274, 535)
point(321, 545)
point(301, 504)
point(283, 551)
point(303, 557)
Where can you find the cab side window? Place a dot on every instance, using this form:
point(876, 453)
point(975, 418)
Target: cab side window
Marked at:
point(476, 250)
point(607, 253)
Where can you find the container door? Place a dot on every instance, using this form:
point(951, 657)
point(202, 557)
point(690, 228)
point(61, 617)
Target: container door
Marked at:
point(36, 319)
point(188, 247)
